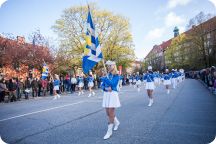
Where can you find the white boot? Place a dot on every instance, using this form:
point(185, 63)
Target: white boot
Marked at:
point(116, 124)
point(58, 96)
point(93, 93)
point(79, 93)
point(89, 95)
point(150, 102)
point(168, 91)
point(109, 131)
point(55, 97)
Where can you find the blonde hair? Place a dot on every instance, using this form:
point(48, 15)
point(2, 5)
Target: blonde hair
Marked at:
point(114, 71)
point(56, 77)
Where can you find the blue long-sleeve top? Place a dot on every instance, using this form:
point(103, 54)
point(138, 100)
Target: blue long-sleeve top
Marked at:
point(110, 81)
point(174, 74)
point(149, 77)
point(80, 80)
point(90, 78)
point(157, 75)
point(167, 76)
point(56, 82)
point(137, 77)
point(179, 74)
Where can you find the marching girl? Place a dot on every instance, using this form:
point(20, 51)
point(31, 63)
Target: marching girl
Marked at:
point(149, 86)
point(174, 78)
point(56, 89)
point(167, 80)
point(130, 79)
point(120, 81)
point(90, 80)
point(138, 82)
point(110, 97)
point(81, 83)
point(157, 78)
point(134, 80)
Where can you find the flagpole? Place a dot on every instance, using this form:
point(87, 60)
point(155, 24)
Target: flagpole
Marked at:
point(104, 67)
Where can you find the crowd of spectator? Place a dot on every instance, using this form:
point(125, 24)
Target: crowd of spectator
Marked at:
point(207, 76)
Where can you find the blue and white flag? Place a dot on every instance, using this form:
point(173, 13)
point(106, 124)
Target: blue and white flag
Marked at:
point(92, 51)
point(45, 71)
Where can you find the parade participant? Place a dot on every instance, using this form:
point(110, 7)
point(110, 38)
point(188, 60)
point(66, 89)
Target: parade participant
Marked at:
point(167, 80)
point(120, 81)
point(157, 78)
point(111, 98)
point(138, 81)
point(174, 78)
point(149, 86)
point(90, 80)
point(81, 83)
point(134, 80)
point(130, 79)
point(56, 89)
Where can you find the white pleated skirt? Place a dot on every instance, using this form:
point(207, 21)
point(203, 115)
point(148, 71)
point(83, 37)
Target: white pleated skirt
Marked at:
point(90, 84)
point(138, 82)
point(81, 84)
point(111, 100)
point(56, 87)
point(157, 80)
point(150, 85)
point(174, 80)
point(167, 82)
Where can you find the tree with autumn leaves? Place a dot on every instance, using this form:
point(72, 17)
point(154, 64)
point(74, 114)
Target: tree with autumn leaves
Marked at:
point(19, 56)
point(113, 32)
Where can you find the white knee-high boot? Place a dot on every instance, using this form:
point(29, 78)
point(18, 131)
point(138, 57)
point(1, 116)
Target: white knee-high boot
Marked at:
point(116, 124)
point(109, 131)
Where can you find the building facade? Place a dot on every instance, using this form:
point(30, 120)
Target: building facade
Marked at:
point(194, 49)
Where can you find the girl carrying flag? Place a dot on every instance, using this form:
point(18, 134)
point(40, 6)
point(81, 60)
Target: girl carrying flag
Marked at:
point(111, 98)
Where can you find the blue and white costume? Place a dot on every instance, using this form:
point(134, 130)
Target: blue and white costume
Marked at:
point(90, 80)
point(167, 78)
point(110, 98)
point(56, 84)
point(134, 79)
point(80, 81)
point(174, 78)
point(130, 79)
point(157, 78)
point(138, 81)
point(149, 79)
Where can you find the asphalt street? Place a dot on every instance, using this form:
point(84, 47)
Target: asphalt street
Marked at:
point(185, 116)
